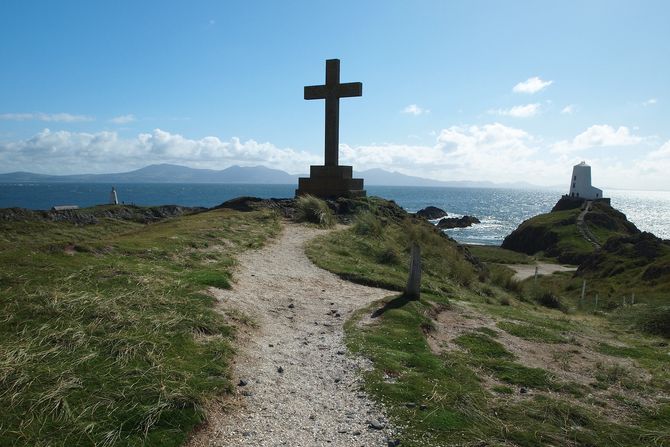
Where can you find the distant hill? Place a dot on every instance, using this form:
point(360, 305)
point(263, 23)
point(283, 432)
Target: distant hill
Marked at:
point(168, 173)
point(164, 173)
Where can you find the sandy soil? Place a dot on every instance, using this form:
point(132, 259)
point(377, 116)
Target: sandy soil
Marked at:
point(295, 383)
point(524, 271)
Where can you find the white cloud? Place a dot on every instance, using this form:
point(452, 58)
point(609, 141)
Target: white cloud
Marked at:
point(525, 111)
point(47, 117)
point(415, 110)
point(71, 152)
point(650, 102)
point(123, 119)
point(457, 154)
point(599, 135)
point(531, 85)
point(568, 110)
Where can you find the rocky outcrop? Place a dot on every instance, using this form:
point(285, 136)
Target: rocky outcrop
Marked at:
point(431, 212)
point(640, 255)
point(561, 233)
point(457, 222)
point(92, 215)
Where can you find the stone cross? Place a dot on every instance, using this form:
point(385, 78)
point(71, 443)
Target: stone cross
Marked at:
point(332, 91)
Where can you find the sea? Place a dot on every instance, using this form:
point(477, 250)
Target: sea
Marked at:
point(500, 210)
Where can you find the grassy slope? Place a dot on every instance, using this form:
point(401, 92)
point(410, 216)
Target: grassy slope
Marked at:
point(113, 343)
point(444, 398)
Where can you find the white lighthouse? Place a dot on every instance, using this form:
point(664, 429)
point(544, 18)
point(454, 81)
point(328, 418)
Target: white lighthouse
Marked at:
point(580, 186)
point(113, 198)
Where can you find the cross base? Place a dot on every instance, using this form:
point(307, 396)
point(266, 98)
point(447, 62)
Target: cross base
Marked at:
point(330, 182)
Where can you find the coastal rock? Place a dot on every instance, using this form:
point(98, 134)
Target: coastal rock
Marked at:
point(457, 222)
point(431, 212)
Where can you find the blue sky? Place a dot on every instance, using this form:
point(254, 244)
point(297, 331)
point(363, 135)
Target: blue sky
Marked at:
point(453, 90)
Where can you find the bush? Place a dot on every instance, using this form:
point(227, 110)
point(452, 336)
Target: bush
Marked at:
point(651, 319)
point(388, 256)
point(314, 210)
point(548, 299)
point(367, 224)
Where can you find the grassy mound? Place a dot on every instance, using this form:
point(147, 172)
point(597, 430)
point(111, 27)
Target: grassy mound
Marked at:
point(106, 337)
point(375, 251)
point(445, 384)
point(314, 210)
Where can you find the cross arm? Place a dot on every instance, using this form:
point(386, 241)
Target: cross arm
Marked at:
point(350, 89)
point(315, 92)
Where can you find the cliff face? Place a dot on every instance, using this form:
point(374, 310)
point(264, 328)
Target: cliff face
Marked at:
point(570, 233)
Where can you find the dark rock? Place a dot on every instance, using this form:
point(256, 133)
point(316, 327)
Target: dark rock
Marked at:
point(375, 424)
point(280, 370)
point(340, 352)
point(457, 222)
point(431, 212)
point(356, 433)
point(410, 404)
point(523, 390)
point(291, 306)
point(247, 393)
point(393, 443)
point(423, 407)
point(242, 382)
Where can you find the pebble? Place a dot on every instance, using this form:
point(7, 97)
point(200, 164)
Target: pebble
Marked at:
point(280, 370)
point(423, 407)
point(393, 443)
point(410, 404)
point(523, 390)
point(242, 382)
point(375, 424)
point(291, 306)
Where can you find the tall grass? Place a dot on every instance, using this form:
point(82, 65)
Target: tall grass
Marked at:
point(314, 210)
point(116, 345)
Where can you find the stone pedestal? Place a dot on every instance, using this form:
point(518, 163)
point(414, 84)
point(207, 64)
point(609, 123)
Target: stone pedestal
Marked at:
point(330, 182)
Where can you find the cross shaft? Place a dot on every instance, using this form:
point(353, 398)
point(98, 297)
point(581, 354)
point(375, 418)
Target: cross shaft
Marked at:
point(332, 91)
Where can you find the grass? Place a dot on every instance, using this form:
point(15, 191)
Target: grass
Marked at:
point(375, 251)
point(115, 344)
point(493, 254)
point(314, 210)
point(471, 395)
point(531, 332)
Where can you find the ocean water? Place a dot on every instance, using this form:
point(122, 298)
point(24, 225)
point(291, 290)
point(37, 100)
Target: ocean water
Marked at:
point(500, 210)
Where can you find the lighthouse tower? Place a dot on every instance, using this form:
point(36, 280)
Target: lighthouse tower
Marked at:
point(113, 199)
point(580, 185)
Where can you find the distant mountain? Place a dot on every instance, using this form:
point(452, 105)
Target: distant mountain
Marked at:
point(164, 173)
point(385, 178)
point(167, 173)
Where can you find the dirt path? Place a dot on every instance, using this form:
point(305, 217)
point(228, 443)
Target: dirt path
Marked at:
point(302, 388)
point(524, 271)
point(584, 228)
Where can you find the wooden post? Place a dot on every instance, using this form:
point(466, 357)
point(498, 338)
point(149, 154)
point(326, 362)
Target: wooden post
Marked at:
point(632, 299)
point(413, 289)
point(535, 278)
point(581, 300)
point(596, 301)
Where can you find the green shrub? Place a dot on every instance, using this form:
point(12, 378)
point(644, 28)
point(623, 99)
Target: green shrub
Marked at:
point(388, 256)
point(651, 319)
point(314, 210)
point(367, 224)
point(548, 299)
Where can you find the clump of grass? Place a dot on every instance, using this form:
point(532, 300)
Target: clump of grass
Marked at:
point(367, 224)
point(531, 332)
point(504, 277)
point(314, 210)
point(651, 319)
point(548, 299)
point(481, 345)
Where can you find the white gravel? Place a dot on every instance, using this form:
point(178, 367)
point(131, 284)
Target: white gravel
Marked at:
point(317, 400)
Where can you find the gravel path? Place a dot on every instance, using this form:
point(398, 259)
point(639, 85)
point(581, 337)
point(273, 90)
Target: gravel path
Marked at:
point(297, 385)
point(524, 271)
